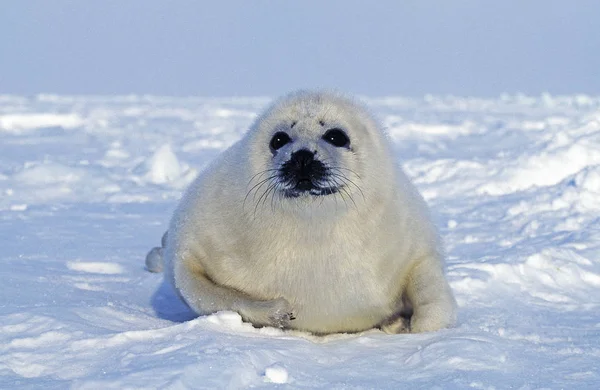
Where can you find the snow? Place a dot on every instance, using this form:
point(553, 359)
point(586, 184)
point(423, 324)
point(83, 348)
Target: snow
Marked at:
point(95, 267)
point(21, 122)
point(276, 374)
point(88, 184)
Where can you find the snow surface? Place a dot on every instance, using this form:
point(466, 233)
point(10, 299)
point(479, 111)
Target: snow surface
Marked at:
point(88, 185)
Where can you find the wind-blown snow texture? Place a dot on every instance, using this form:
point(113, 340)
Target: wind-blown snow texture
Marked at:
point(88, 185)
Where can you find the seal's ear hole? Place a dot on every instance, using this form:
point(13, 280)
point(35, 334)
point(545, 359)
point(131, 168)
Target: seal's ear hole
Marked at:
point(322, 123)
point(279, 140)
point(336, 137)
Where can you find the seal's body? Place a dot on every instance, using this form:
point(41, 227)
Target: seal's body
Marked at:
point(308, 223)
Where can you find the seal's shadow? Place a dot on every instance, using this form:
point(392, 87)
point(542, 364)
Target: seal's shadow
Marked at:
point(168, 306)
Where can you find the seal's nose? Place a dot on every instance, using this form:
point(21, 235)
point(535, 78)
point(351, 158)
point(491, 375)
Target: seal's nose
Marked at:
point(302, 161)
point(303, 171)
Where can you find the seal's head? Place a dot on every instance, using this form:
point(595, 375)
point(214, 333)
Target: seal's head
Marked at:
point(314, 147)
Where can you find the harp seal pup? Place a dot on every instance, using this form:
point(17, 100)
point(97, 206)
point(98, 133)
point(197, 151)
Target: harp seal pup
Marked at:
point(308, 223)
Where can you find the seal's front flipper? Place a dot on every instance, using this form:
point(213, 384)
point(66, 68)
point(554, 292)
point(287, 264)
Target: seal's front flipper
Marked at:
point(206, 297)
point(432, 301)
point(154, 258)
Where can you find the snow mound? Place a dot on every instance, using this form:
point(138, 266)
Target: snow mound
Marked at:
point(589, 179)
point(96, 267)
point(50, 173)
point(164, 167)
point(276, 374)
point(556, 276)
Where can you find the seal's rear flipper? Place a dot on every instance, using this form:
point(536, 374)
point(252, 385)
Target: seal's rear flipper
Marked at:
point(154, 260)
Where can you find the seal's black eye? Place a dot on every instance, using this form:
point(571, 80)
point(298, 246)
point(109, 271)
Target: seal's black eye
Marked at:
point(336, 137)
point(279, 140)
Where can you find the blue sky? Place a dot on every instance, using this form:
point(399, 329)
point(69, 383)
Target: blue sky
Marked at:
point(225, 48)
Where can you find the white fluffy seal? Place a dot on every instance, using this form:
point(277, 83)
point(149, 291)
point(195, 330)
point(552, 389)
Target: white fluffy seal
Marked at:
point(308, 223)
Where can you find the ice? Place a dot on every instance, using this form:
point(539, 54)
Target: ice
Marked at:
point(88, 185)
point(17, 123)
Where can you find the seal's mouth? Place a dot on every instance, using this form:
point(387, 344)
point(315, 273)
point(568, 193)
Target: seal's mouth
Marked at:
point(305, 190)
point(305, 175)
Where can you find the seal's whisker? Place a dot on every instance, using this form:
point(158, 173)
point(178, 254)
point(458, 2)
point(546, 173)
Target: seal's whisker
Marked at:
point(280, 196)
point(264, 196)
point(276, 191)
point(256, 188)
point(349, 196)
point(262, 173)
point(338, 168)
point(335, 169)
point(329, 183)
point(339, 187)
point(262, 182)
point(257, 202)
point(342, 188)
point(348, 180)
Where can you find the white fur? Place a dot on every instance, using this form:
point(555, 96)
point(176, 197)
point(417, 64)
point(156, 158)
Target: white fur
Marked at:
point(344, 262)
